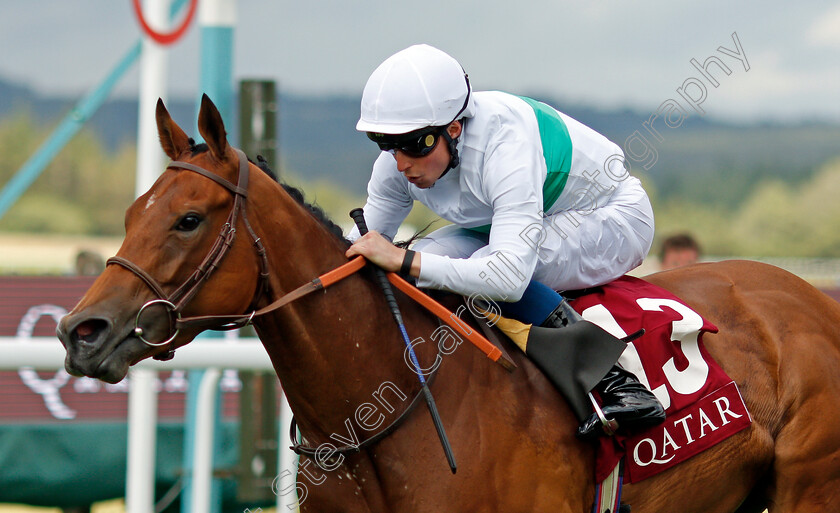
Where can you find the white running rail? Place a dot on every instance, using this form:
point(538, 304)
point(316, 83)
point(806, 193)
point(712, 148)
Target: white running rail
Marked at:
point(47, 353)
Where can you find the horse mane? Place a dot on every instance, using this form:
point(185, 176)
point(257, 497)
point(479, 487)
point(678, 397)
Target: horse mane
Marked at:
point(296, 193)
point(316, 212)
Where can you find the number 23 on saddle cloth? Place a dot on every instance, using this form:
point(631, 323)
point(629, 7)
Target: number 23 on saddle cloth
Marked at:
point(702, 404)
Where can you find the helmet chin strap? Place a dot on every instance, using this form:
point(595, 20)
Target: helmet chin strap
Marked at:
point(454, 158)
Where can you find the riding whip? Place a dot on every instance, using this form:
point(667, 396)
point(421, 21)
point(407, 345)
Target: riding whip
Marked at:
point(358, 216)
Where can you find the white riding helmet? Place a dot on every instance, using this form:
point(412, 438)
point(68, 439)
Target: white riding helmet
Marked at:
point(415, 88)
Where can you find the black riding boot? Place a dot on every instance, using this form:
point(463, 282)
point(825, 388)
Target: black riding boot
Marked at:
point(624, 398)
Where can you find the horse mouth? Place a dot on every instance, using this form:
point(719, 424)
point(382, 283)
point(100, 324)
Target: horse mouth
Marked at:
point(108, 369)
point(106, 360)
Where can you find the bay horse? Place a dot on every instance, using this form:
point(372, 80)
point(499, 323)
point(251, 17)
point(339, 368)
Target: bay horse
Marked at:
point(337, 353)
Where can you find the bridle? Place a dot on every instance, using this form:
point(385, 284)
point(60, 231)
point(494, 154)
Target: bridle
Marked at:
point(180, 298)
point(177, 300)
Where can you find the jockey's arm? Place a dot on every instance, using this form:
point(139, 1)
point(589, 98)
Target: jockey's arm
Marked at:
point(502, 270)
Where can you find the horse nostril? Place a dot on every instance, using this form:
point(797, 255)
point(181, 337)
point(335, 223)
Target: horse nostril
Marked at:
point(89, 331)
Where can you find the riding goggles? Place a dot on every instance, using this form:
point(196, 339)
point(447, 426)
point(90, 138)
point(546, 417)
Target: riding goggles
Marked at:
point(418, 143)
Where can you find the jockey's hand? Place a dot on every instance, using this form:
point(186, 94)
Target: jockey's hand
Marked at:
point(378, 250)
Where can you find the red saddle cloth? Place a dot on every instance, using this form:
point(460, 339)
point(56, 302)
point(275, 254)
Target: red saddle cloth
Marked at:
point(703, 405)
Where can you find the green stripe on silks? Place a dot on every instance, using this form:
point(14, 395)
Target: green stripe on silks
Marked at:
point(574, 358)
point(557, 150)
point(557, 153)
point(480, 229)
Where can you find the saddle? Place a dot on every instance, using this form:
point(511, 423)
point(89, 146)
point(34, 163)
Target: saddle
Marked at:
point(663, 348)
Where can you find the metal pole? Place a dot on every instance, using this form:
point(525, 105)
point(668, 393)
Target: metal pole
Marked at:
point(258, 418)
point(43, 353)
point(65, 131)
point(142, 422)
point(142, 411)
point(287, 460)
point(258, 120)
point(216, 19)
point(153, 63)
point(202, 479)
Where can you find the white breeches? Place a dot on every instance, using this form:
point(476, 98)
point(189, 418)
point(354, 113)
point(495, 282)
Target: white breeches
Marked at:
point(576, 248)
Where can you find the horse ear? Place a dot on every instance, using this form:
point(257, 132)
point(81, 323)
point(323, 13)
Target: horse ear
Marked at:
point(212, 129)
point(173, 140)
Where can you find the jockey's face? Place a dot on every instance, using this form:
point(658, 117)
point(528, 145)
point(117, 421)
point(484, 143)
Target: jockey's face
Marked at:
point(423, 172)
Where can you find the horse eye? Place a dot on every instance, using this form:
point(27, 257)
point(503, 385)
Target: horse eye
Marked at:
point(188, 223)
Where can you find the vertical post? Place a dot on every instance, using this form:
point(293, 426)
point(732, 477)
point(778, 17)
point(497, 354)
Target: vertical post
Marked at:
point(153, 63)
point(258, 120)
point(287, 460)
point(202, 496)
point(257, 436)
point(142, 422)
point(216, 18)
point(142, 404)
point(258, 397)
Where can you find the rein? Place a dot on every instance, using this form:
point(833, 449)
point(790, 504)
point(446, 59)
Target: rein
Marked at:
point(178, 300)
point(230, 322)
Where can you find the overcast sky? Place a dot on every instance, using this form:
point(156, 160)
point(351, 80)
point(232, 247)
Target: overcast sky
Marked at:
point(604, 53)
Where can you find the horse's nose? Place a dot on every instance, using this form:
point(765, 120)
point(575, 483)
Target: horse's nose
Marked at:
point(83, 333)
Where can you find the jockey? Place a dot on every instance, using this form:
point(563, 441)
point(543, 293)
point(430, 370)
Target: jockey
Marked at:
point(539, 202)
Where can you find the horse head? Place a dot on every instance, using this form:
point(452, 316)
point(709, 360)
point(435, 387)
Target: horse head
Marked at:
point(178, 235)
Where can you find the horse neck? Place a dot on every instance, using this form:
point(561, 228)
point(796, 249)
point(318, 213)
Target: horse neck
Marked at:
point(332, 349)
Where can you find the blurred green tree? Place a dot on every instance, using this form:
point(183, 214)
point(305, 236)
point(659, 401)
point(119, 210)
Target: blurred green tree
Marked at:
point(84, 190)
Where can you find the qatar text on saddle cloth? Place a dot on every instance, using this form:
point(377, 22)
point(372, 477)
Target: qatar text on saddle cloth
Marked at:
point(703, 405)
